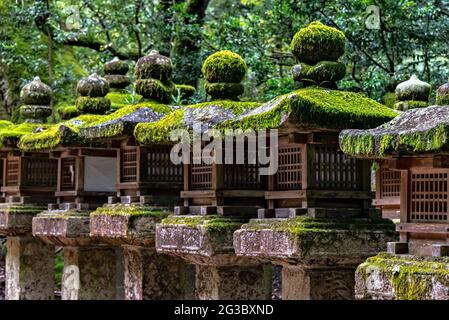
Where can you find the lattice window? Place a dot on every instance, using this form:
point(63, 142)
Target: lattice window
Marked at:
point(160, 167)
point(429, 196)
point(242, 176)
point(334, 169)
point(129, 165)
point(40, 172)
point(289, 174)
point(200, 174)
point(68, 172)
point(12, 172)
point(390, 183)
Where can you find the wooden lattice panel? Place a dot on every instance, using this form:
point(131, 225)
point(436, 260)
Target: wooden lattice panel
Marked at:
point(12, 172)
point(334, 169)
point(242, 176)
point(390, 183)
point(289, 174)
point(40, 172)
point(200, 174)
point(68, 173)
point(128, 165)
point(429, 196)
point(160, 167)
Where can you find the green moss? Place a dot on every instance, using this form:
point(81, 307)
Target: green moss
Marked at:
point(410, 276)
point(430, 140)
point(68, 112)
point(223, 90)
point(322, 72)
point(133, 212)
point(59, 268)
point(155, 89)
point(65, 133)
point(318, 42)
point(224, 66)
point(209, 223)
point(390, 99)
point(121, 99)
point(23, 209)
point(319, 108)
point(5, 123)
point(10, 135)
point(98, 105)
point(159, 132)
point(411, 104)
point(154, 66)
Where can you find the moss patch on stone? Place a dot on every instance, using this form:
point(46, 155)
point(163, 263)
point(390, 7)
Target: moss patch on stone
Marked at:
point(389, 99)
point(97, 105)
point(10, 135)
point(414, 131)
point(410, 104)
point(23, 209)
point(224, 90)
point(185, 91)
point(322, 72)
point(210, 223)
point(411, 277)
point(68, 112)
point(65, 133)
point(224, 66)
point(132, 211)
point(318, 42)
point(155, 89)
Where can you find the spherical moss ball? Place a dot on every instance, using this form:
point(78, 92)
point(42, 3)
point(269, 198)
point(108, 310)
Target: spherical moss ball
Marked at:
point(155, 66)
point(97, 105)
point(36, 92)
point(442, 98)
point(321, 73)
point(155, 90)
point(224, 90)
point(117, 81)
point(413, 89)
point(318, 42)
point(224, 66)
point(93, 86)
point(116, 66)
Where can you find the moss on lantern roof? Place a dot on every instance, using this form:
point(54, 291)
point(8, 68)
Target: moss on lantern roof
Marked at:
point(64, 133)
point(123, 120)
point(210, 223)
point(10, 135)
point(122, 99)
point(312, 108)
point(415, 131)
point(209, 113)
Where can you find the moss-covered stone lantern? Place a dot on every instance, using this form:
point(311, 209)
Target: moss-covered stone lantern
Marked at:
point(154, 73)
point(224, 70)
point(115, 73)
point(442, 98)
point(93, 90)
point(36, 98)
point(317, 49)
point(412, 93)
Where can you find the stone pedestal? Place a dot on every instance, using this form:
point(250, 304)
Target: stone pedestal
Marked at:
point(206, 241)
point(29, 269)
point(403, 277)
point(147, 274)
point(90, 273)
point(319, 256)
point(233, 282)
point(300, 283)
point(152, 276)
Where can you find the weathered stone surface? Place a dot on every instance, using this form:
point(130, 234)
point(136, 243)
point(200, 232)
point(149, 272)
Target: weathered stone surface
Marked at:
point(90, 273)
point(234, 282)
point(301, 283)
point(403, 277)
point(413, 89)
point(17, 219)
point(152, 276)
point(29, 269)
point(124, 229)
point(322, 242)
point(63, 228)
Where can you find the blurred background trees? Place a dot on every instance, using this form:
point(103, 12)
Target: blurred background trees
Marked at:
point(61, 41)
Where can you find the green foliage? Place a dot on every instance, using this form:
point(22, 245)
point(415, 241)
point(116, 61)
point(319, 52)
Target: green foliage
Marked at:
point(318, 42)
point(224, 66)
point(184, 92)
point(97, 105)
point(121, 99)
point(389, 99)
point(59, 268)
